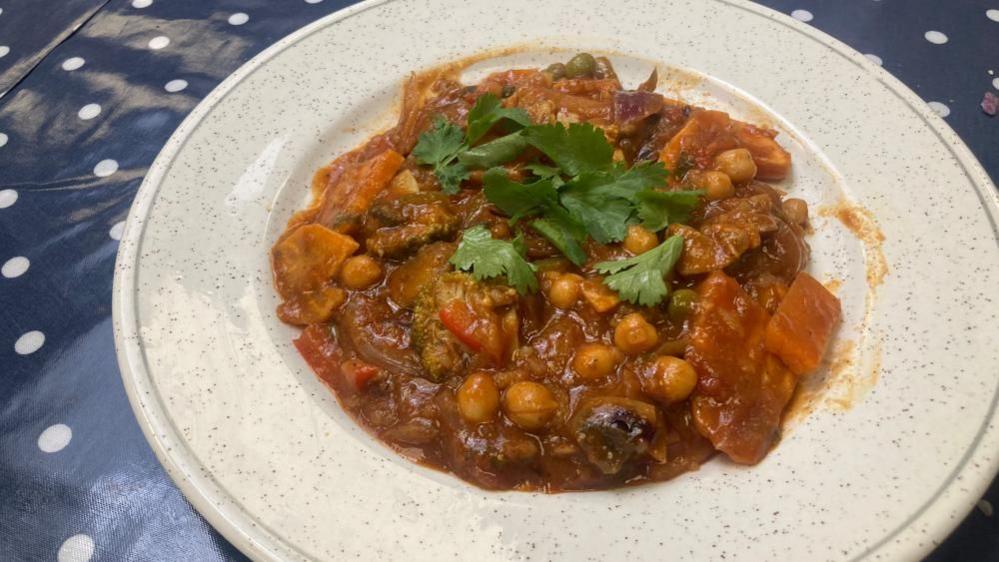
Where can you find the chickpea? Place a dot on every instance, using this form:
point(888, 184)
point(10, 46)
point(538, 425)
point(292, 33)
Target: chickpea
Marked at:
point(634, 334)
point(796, 210)
point(594, 360)
point(716, 185)
point(737, 163)
point(640, 239)
point(669, 379)
point(564, 290)
point(360, 272)
point(478, 398)
point(529, 405)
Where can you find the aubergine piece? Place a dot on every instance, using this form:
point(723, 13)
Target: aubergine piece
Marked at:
point(612, 431)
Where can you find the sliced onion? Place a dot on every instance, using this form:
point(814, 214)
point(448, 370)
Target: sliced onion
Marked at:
point(630, 107)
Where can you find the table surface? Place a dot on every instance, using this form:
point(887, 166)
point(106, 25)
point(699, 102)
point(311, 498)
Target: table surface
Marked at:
point(93, 88)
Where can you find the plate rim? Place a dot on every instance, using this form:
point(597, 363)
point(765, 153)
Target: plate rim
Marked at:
point(216, 506)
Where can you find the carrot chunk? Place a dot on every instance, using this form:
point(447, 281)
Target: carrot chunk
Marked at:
point(352, 194)
point(803, 323)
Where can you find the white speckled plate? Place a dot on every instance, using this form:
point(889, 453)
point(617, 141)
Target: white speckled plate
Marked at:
point(264, 452)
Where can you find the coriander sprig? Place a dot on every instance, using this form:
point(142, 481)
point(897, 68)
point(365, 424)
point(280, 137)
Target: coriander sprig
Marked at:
point(449, 149)
point(641, 279)
point(487, 257)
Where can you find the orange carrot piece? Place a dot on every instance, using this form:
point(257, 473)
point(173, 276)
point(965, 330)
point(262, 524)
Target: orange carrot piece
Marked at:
point(801, 327)
point(351, 196)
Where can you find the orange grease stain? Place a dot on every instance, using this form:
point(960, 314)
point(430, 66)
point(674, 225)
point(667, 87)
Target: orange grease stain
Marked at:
point(861, 223)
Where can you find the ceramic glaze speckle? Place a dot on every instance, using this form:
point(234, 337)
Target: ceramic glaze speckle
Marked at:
point(263, 450)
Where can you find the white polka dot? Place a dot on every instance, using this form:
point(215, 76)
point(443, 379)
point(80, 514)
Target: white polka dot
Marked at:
point(89, 111)
point(29, 342)
point(935, 37)
point(939, 108)
point(802, 15)
point(874, 58)
point(55, 438)
point(105, 168)
point(1, 10)
point(15, 267)
point(995, 83)
point(175, 85)
point(4, 49)
point(72, 63)
point(239, 18)
point(141, 3)
point(117, 230)
point(3, 139)
point(7, 198)
point(159, 42)
point(78, 548)
point(313, 1)
point(992, 14)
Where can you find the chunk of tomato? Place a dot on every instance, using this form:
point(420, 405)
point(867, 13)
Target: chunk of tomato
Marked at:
point(742, 389)
point(479, 334)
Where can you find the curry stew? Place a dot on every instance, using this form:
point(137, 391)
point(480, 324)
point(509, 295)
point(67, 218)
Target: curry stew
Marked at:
point(546, 281)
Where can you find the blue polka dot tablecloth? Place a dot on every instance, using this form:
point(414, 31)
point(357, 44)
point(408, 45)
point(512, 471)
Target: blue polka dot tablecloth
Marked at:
point(91, 89)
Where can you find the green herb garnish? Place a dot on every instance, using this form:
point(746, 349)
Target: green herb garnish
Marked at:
point(605, 201)
point(577, 191)
point(488, 111)
point(486, 257)
point(640, 280)
point(659, 209)
point(577, 149)
point(449, 150)
point(439, 147)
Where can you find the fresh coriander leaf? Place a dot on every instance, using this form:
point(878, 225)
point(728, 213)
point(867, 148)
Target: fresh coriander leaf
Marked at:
point(639, 280)
point(580, 148)
point(606, 219)
point(486, 257)
point(488, 111)
point(440, 144)
point(517, 199)
point(451, 176)
point(438, 147)
point(542, 171)
point(604, 201)
point(639, 177)
point(564, 233)
point(657, 209)
point(494, 152)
